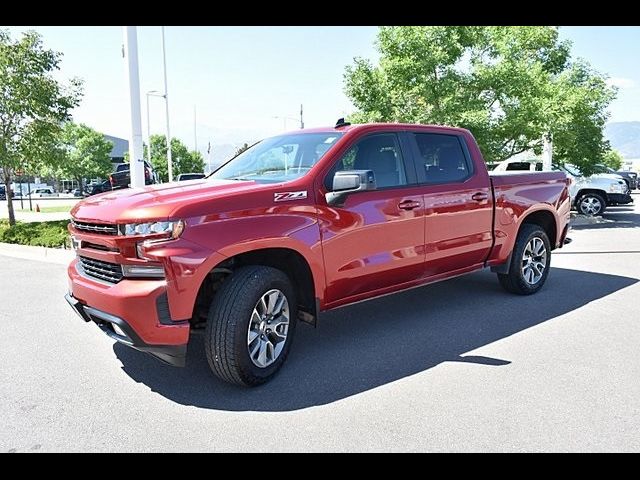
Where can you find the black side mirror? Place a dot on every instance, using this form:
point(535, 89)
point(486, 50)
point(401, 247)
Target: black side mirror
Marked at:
point(346, 182)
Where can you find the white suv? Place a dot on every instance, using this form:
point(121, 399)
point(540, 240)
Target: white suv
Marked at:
point(589, 195)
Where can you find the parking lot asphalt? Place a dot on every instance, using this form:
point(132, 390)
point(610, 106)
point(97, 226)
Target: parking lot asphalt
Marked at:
point(455, 366)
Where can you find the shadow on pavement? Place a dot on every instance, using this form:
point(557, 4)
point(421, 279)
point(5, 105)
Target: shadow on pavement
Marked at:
point(370, 344)
point(613, 217)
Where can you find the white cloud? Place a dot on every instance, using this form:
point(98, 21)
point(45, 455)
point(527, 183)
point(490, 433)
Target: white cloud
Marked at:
point(621, 82)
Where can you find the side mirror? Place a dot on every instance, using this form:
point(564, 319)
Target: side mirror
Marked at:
point(347, 182)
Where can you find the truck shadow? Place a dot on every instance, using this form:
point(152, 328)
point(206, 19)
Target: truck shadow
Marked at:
point(371, 344)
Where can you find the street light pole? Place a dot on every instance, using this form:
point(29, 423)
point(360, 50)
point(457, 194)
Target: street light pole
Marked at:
point(301, 120)
point(166, 101)
point(284, 119)
point(148, 132)
point(150, 93)
point(195, 131)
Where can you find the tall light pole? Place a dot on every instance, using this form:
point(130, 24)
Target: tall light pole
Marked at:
point(166, 101)
point(195, 131)
point(289, 118)
point(151, 93)
point(130, 53)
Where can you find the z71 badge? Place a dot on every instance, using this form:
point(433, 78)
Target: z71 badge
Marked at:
point(281, 197)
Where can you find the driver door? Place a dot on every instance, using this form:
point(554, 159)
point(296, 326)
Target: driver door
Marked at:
point(375, 239)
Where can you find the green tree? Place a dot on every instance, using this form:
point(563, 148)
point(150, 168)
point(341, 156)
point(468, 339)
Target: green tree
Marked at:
point(241, 149)
point(613, 159)
point(509, 85)
point(85, 153)
point(182, 159)
point(33, 106)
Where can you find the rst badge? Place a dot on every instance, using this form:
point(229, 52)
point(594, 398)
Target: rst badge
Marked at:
point(281, 197)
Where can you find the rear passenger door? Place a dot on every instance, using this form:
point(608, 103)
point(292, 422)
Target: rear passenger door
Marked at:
point(457, 201)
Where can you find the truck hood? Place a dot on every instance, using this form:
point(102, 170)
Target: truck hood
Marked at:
point(158, 202)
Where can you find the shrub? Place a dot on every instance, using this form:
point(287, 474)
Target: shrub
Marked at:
point(43, 234)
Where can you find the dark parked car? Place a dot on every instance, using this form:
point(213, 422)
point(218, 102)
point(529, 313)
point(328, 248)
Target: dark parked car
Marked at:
point(96, 188)
point(121, 178)
point(3, 192)
point(189, 176)
point(630, 178)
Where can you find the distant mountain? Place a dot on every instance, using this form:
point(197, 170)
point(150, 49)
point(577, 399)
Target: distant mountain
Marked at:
point(624, 137)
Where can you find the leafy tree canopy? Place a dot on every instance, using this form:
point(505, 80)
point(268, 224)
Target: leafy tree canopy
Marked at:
point(183, 160)
point(509, 86)
point(85, 153)
point(33, 106)
point(241, 149)
point(612, 159)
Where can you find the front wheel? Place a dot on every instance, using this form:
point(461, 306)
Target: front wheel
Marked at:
point(530, 262)
point(250, 325)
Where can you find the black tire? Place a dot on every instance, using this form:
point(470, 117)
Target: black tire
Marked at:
point(514, 281)
point(591, 198)
point(228, 323)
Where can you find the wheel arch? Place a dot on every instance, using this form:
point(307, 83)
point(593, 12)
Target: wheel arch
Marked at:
point(584, 191)
point(298, 267)
point(546, 220)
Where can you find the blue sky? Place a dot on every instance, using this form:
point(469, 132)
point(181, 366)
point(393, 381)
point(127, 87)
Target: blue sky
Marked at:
point(241, 77)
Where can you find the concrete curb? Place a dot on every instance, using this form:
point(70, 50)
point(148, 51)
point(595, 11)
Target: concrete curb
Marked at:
point(42, 254)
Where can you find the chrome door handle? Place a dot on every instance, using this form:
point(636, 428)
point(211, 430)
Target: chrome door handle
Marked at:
point(409, 205)
point(479, 197)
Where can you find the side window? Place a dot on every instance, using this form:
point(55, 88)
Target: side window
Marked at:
point(443, 158)
point(380, 153)
point(519, 166)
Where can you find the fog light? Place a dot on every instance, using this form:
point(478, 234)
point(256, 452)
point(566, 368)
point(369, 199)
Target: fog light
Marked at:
point(118, 330)
point(143, 271)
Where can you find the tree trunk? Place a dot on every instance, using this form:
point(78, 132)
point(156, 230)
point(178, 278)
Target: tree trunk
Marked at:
point(7, 185)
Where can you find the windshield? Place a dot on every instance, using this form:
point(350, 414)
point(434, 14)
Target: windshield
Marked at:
point(278, 159)
point(571, 169)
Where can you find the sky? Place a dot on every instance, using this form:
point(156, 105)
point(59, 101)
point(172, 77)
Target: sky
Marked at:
point(240, 78)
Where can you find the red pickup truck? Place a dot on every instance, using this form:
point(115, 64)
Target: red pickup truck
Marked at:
point(301, 223)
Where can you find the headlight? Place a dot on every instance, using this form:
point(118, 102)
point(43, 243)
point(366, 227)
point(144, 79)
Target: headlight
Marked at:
point(616, 188)
point(171, 229)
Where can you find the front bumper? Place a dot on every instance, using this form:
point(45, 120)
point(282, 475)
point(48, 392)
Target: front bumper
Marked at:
point(138, 307)
point(619, 198)
point(171, 354)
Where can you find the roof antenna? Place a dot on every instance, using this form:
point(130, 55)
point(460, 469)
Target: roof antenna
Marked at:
point(341, 123)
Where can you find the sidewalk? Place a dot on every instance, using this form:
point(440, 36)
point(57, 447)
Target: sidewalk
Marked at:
point(28, 216)
point(60, 256)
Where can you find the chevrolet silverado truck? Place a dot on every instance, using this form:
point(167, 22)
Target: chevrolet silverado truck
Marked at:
point(298, 224)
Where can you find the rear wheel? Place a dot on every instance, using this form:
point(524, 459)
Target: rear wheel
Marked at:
point(250, 325)
point(591, 204)
point(530, 262)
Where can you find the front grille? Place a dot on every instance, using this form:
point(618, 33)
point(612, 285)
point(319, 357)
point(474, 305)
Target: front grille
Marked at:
point(100, 228)
point(109, 272)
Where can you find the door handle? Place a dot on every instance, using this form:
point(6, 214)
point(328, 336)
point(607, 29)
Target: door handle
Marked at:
point(408, 205)
point(479, 197)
